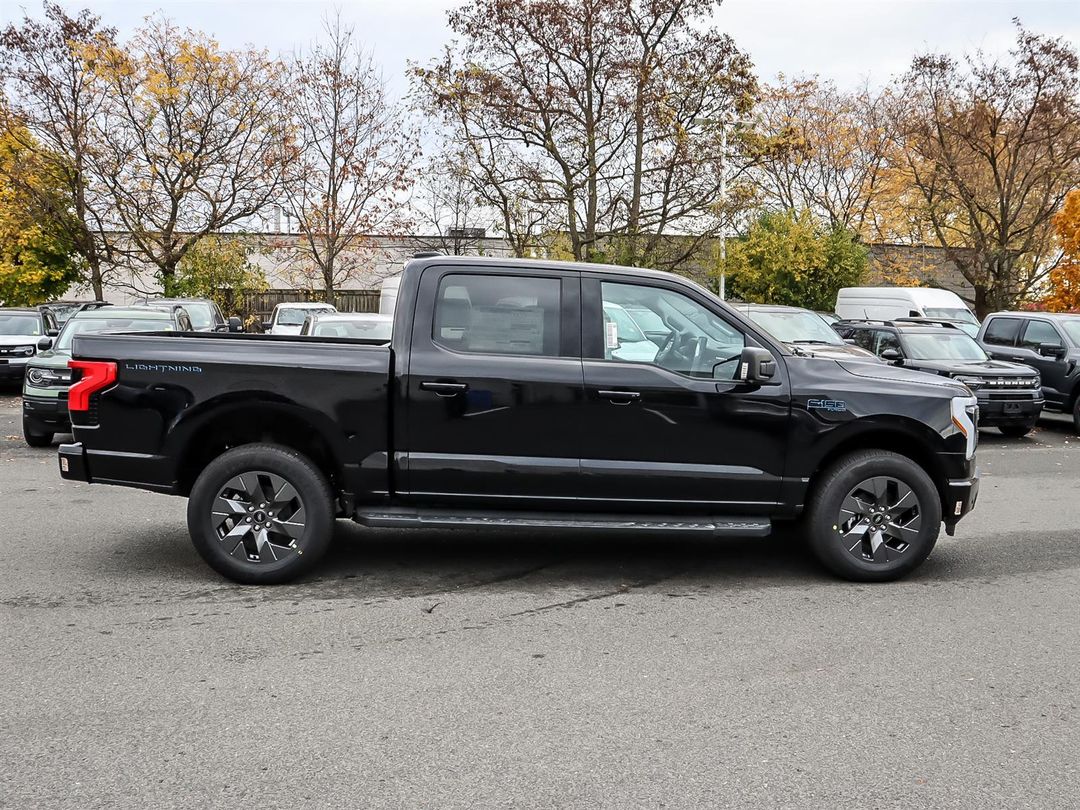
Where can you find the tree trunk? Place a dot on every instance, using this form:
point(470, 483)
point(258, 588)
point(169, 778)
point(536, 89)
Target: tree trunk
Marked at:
point(328, 280)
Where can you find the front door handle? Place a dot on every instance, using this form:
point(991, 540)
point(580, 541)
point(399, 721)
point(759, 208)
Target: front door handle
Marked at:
point(444, 389)
point(620, 397)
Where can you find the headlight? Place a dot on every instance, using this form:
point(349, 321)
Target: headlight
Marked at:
point(965, 415)
point(974, 383)
point(22, 351)
point(45, 377)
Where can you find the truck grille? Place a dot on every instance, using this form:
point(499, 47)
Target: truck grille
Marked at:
point(1008, 383)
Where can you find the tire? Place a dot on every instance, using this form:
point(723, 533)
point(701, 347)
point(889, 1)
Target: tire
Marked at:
point(1017, 431)
point(300, 518)
point(1076, 415)
point(36, 438)
point(884, 502)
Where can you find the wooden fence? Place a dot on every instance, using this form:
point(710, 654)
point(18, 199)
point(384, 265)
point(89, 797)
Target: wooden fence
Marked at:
point(263, 303)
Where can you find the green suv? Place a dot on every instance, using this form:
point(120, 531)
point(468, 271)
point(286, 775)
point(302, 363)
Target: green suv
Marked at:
point(48, 378)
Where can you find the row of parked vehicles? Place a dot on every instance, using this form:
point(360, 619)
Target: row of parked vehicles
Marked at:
point(35, 342)
point(527, 394)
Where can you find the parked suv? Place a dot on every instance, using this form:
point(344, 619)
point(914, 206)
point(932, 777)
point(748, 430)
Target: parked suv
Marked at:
point(205, 314)
point(48, 378)
point(1047, 341)
point(1009, 394)
point(20, 330)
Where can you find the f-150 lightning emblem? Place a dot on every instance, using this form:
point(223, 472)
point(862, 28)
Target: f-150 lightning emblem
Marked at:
point(832, 405)
point(166, 368)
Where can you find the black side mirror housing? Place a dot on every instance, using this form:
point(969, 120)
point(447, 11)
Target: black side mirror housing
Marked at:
point(756, 366)
point(266, 326)
point(1051, 350)
point(892, 356)
point(45, 343)
point(235, 324)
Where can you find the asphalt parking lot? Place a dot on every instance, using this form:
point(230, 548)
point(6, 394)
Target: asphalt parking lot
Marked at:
point(458, 670)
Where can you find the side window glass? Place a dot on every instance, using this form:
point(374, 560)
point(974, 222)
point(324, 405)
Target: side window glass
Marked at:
point(644, 324)
point(490, 314)
point(1002, 331)
point(887, 340)
point(864, 339)
point(1037, 333)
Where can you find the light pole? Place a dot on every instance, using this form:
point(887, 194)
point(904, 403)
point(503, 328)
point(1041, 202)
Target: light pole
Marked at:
point(721, 285)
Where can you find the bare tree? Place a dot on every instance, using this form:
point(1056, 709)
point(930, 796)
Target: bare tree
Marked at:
point(55, 96)
point(593, 114)
point(993, 147)
point(184, 140)
point(448, 209)
point(824, 150)
point(348, 159)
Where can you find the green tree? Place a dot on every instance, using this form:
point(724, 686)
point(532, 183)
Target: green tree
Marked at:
point(37, 261)
point(218, 268)
point(789, 258)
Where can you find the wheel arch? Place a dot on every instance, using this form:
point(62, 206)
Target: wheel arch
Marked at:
point(224, 425)
point(905, 437)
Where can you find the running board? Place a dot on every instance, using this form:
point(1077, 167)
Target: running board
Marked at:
point(392, 518)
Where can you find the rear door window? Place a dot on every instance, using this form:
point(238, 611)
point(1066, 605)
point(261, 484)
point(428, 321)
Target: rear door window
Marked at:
point(1002, 331)
point(491, 314)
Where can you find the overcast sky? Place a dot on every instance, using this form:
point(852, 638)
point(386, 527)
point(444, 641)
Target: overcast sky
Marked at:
point(846, 40)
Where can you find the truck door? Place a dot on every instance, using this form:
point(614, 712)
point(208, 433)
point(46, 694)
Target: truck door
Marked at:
point(671, 429)
point(493, 389)
point(1052, 369)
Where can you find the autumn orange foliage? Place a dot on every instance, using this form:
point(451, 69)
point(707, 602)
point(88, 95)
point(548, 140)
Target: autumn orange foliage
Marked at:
point(1065, 278)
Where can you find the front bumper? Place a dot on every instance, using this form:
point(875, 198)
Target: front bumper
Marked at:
point(47, 411)
point(1010, 408)
point(13, 369)
point(960, 497)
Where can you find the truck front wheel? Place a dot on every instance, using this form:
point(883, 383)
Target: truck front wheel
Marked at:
point(874, 516)
point(261, 514)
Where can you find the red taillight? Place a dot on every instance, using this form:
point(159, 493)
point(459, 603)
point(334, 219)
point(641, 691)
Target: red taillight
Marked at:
point(96, 374)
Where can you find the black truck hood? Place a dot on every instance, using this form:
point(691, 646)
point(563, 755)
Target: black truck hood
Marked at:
point(974, 368)
point(889, 373)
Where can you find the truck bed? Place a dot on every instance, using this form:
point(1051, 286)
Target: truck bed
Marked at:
point(179, 396)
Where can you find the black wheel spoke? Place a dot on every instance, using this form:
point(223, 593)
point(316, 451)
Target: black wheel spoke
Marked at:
point(259, 517)
point(879, 519)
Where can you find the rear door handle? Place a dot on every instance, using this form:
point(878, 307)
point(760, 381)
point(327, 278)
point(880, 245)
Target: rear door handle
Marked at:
point(444, 389)
point(620, 397)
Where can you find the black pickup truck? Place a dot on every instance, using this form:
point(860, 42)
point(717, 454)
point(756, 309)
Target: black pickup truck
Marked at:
point(516, 394)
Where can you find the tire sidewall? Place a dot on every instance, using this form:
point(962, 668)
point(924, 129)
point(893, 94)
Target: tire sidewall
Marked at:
point(825, 540)
point(35, 438)
point(311, 487)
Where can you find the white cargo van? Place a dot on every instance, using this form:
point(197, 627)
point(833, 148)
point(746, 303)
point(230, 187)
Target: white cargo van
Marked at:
point(885, 303)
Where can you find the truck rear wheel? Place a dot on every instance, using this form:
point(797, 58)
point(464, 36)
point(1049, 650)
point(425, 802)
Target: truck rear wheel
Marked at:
point(261, 514)
point(874, 516)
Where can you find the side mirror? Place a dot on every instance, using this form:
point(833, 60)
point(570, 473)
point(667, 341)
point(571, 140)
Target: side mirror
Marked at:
point(266, 326)
point(891, 356)
point(1051, 350)
point(849, 341)
point(235, 324)
point(755, 366)
point(44, 344)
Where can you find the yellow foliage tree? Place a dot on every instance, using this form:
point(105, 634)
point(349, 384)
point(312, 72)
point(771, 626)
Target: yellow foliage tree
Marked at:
point(36, 260)
point(1065, 278)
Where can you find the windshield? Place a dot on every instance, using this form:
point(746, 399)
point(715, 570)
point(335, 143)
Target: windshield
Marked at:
point(63, 311)
point(796, 326)
point(946, 346)
point(369, 330)
point(951, 313)
point(86, 326)
point(20, 323)
point(292, 316)
point(1072, 329)
point(627, 329)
